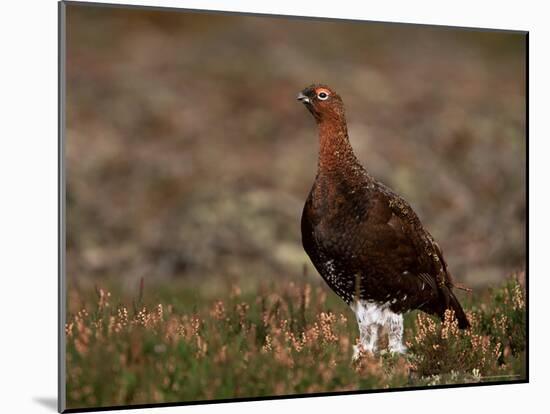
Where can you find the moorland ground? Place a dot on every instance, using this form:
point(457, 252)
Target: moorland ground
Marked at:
point(288, 339)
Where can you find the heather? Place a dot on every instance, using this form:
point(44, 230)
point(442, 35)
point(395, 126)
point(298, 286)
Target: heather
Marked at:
point(291, 340)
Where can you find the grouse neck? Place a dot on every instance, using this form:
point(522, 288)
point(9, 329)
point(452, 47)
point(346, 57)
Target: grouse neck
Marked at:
point(335, 151)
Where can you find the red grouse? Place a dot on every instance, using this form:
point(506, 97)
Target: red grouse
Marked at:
point(365, 240)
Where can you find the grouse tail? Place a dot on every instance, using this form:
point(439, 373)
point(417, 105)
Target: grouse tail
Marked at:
point(460, 315)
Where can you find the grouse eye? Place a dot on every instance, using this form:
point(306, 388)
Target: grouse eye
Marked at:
point(322, 96)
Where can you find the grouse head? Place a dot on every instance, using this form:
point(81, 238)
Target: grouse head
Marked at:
point(323, 103)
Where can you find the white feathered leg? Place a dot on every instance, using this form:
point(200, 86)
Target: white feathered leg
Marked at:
point(368, 318)
point(394, 325)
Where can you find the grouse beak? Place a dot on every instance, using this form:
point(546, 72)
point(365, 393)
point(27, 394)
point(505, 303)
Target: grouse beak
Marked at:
point(303, 98)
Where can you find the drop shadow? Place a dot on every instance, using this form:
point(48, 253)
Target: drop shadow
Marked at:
point(48, 402)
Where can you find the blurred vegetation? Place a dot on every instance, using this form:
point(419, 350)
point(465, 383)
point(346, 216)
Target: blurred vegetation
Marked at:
point(189, 160)
point(188, 156)
point(290, 338)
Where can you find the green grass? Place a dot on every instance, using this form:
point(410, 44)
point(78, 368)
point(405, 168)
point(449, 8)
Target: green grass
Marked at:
point(291, 338)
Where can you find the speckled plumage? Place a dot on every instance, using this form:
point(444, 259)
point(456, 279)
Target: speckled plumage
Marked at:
point(365, 240)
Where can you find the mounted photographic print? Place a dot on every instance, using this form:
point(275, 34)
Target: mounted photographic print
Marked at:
point(258, 206)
